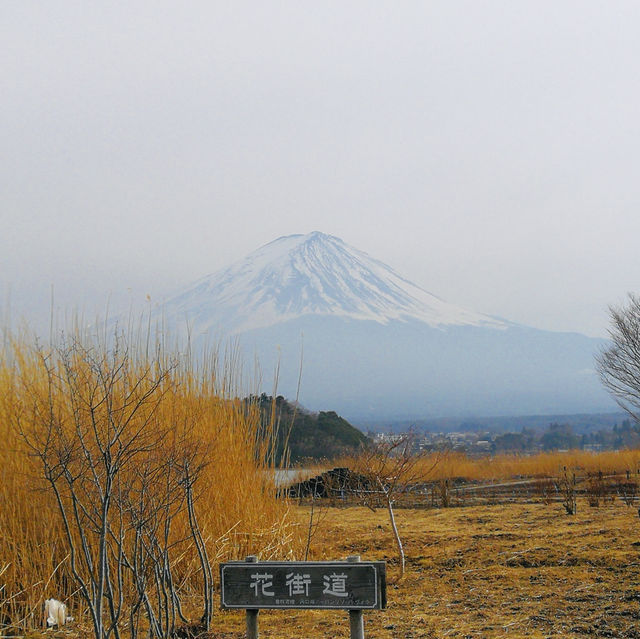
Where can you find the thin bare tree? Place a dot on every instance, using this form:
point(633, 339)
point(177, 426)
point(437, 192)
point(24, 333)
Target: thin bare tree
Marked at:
point(619, 363)
point(387, 469)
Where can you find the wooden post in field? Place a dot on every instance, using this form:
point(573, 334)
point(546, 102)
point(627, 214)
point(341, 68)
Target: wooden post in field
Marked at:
point(252, 614)
point(356, 618)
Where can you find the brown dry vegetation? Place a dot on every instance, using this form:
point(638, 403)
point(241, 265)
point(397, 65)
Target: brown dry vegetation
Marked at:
point(540, 465)
point(450, 465)
point(508, 569)
point(234, 498)
point(515, 570)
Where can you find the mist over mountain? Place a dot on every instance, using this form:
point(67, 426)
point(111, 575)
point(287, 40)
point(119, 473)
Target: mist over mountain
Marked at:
point(375, 345)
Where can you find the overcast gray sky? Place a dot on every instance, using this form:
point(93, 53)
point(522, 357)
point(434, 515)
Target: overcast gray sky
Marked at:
point(488, 151)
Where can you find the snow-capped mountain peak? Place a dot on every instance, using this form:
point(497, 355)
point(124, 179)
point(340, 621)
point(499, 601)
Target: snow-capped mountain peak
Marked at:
point(313, 274)
point(374, 343)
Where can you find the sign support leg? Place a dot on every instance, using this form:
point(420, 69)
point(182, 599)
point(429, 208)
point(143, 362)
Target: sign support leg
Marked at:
point(252, 624)
point(356, 617)
point(252, 613)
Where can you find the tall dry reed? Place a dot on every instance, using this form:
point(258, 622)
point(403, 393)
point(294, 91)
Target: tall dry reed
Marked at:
point(195, 403)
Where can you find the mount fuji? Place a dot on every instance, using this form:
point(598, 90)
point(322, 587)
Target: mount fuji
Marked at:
point(374, 345)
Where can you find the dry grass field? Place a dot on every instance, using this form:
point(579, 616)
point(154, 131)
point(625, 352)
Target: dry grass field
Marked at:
point(502, 570)
point(505, 561)
point(516, 570)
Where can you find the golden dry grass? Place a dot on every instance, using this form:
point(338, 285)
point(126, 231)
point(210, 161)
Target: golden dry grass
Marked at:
point(516, 570)
point(522, 570)
point(237, 509)
point(455, 465)
point(510, 570)
point(538, 465)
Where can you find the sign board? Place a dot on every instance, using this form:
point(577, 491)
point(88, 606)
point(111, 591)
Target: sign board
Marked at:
point(303, 584)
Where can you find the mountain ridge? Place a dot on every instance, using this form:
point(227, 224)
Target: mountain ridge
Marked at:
point(374, 345)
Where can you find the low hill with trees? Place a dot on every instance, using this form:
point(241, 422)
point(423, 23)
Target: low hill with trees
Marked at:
point(307, 435)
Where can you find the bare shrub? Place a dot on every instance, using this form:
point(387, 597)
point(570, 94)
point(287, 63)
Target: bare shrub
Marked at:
point(124, 445)
point(317, 514)
point(119, 475)
point(595, 489)
point(546, 490)
point(627, 489)
point(567, 488)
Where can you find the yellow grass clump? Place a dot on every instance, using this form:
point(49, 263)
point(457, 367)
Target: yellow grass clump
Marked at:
point(67, 411)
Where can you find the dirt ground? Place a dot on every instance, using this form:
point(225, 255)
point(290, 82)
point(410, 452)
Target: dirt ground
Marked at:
point(516, 570)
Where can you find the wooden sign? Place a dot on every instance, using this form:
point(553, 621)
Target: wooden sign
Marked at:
point(303, 584)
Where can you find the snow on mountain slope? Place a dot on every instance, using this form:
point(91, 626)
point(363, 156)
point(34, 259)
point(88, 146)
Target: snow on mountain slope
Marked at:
point(375, 344)
point(314, 274)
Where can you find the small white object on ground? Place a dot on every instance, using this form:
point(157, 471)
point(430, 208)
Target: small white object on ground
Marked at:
point(55, 613)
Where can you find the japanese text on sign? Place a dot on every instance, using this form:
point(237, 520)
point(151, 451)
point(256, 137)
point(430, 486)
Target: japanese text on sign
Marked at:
point(303, 585)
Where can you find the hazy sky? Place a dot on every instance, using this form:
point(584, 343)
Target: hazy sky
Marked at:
point(488, 151)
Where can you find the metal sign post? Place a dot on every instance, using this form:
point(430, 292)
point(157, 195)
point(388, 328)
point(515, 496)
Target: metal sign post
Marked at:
point(353, 585)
